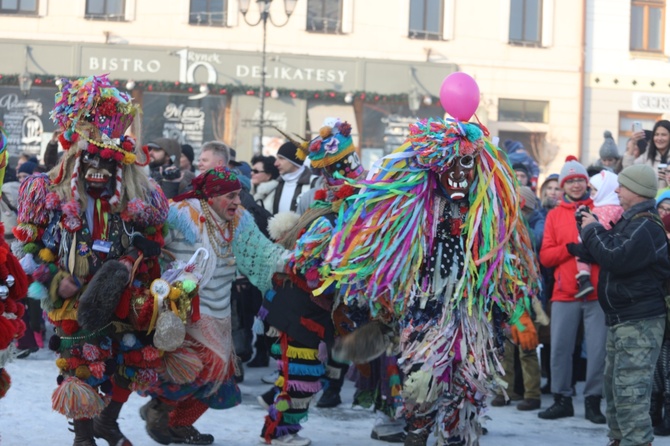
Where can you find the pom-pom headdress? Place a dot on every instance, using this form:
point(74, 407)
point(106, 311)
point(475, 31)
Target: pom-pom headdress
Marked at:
point(93, 110)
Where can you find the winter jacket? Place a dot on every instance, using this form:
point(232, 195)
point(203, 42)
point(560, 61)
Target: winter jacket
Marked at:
point(303, 185)
point(634, 264)
point(265, 193)
point(560, 229)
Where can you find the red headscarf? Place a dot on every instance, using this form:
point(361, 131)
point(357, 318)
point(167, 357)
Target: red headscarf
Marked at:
point(212, 183)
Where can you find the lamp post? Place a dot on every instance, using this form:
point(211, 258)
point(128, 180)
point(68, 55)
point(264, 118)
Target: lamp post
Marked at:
point(25, 79)
point(263, 18)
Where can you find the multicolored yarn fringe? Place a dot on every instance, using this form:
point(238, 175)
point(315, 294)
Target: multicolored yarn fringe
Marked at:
point(382, 236)
point(75, 399)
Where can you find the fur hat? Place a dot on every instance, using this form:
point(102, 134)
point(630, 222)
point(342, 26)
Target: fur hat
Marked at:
point(289, 151)
point(572, 169)
point(640, 179)
point(170, 146)
point(609, 148)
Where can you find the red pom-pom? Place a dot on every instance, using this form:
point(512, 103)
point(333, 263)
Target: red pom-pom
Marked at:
point(320, 194)
point(5, 382)
point(69, 327)
point(345, 191)
point(571, 158)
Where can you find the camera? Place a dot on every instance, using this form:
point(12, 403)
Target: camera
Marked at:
point(578, 214)
point(171, 173)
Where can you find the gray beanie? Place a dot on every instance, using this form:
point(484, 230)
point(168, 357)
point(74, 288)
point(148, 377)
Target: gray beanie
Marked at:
point(640, 179)
point(609, 148)
point(529, 197)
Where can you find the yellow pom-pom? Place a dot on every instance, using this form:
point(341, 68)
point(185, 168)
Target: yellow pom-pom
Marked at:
point(129, 158)
point(61, 363)
point(325, 131)
point(82, 372)
point(47, 256)
point(280, 382)
point(175, 293)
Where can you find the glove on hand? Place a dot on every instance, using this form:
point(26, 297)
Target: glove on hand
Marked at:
point(526, 339)
point(148, 247)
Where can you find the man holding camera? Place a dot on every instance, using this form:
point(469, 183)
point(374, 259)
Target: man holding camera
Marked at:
point(567, 311)
point(634, 266)
point(165, 154)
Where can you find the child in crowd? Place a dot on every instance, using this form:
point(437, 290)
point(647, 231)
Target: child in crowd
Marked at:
point(607, 209)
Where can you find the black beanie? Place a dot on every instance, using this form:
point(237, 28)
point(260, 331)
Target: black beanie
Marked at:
point(288, 150)
point(187, 151)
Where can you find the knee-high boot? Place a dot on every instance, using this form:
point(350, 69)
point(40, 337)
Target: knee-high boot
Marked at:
point(106, 426)
point(83, 433)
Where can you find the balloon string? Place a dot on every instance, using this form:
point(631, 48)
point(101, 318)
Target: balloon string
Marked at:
point(484, 129)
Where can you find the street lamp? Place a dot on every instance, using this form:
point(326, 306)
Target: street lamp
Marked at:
point(264, 16)
point(25, 79)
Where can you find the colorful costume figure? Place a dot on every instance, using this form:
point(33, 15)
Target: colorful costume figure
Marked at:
point(81, 230)
point(434, 244)
point(200, 373)
point(13, 288)
point(301, 321)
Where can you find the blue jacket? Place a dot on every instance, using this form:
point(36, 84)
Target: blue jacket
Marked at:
point(634, 264)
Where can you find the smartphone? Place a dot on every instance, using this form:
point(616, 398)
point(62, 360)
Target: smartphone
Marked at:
point(637, 126)
point(662, 167)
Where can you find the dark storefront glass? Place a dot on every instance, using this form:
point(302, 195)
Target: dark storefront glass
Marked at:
point(189, 121)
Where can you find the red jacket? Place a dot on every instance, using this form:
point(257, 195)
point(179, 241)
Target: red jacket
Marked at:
point(559, 230)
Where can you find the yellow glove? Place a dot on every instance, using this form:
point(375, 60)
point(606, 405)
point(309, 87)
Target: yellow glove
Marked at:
point(526, 338)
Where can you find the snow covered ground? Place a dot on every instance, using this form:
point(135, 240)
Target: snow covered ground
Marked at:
point(26, 417)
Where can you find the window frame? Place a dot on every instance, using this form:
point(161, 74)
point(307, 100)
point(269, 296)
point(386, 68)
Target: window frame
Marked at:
point(224, 15)
point(340, 18)
point(424, 34)
point(18, 11)
point(646, 5)
point(524, 113)
point(106, 16)
point(540, 24)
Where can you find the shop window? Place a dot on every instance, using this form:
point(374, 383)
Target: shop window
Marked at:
point(207, 12)
point(105, 9)
point(19, 7)
point(525, 22)
point(425, 19)
point(523, 110)
point(324, 16)
point(647, 21)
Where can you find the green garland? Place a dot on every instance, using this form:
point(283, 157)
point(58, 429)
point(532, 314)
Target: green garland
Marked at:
point(228, 89)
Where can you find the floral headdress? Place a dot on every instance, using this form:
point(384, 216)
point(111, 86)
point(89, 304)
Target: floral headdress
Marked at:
point(333, 144)
point(93, 110)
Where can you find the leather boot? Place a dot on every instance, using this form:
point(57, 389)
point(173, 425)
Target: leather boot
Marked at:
point(656, 409)
point(561, 408)
point(83, 433)
point(262, 358)
point(419, 438)
point(157, 417)
point(189, 435)
point(106, 426)
point(663, 428)
point(592, 410)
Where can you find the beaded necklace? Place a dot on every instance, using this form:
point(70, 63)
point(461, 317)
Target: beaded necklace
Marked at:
point(212, 228)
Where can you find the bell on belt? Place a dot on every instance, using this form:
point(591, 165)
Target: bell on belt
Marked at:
point(4, 292)
point(10, 280)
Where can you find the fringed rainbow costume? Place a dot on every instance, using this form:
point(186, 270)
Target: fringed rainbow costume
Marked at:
point(448, 272)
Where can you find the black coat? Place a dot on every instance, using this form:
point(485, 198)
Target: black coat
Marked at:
point(634, 264)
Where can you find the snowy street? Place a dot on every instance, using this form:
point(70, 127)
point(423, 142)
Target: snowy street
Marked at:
point(26, 417)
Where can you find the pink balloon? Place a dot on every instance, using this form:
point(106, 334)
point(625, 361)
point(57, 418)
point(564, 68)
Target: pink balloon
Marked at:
point(459, 95)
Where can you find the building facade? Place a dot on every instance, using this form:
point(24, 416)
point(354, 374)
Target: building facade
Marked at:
point(627, 69)
point(196, 67)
